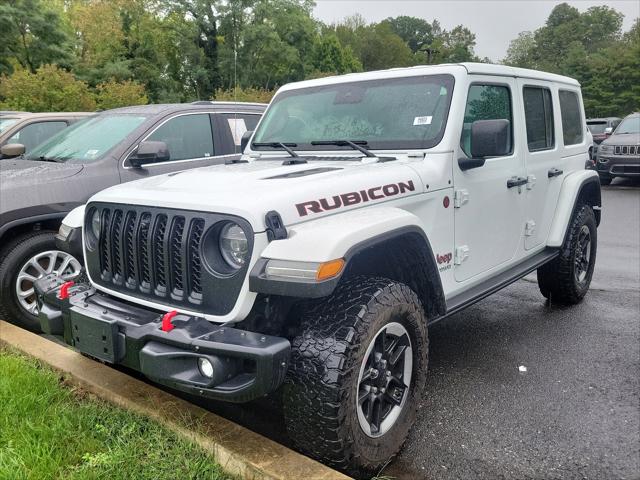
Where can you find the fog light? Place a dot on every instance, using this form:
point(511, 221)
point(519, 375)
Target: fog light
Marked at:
point(205, 367)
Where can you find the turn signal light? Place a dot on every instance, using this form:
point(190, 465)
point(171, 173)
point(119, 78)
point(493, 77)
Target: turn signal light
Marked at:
point(329, 269)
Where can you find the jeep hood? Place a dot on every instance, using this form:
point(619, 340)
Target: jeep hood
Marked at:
point(250, 190)
point(623, 139)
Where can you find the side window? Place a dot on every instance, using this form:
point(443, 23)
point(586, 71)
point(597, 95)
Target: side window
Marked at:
point(187, 136)
point(36, 133)
point(485, 102)
point(571, 117)
point(240, 123)
point(538, 114)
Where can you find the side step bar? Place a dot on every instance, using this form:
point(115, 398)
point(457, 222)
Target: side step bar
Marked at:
point(492, 285)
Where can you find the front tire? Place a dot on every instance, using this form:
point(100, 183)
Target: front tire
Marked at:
point(26, 258)
point(566, 278)
point(357, 374)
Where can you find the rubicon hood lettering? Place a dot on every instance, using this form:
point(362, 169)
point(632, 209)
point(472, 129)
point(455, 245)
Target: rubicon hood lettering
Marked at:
point(353, 198)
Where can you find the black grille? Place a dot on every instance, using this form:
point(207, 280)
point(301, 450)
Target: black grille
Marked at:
point(129, 237)
point(157, 254)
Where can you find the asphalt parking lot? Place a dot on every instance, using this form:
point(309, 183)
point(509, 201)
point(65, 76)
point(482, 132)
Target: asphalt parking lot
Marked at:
point(575, 413)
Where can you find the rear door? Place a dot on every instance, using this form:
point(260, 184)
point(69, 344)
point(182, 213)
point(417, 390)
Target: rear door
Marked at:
point(489, 214)
point(543, 147)
point(190, 139)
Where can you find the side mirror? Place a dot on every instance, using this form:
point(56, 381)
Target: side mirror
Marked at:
point(149, 152)
point(489, 138)
point(244, 141)
point(12, 150)
point(608, 131)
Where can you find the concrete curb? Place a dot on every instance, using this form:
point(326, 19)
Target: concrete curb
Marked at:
point(238, 450)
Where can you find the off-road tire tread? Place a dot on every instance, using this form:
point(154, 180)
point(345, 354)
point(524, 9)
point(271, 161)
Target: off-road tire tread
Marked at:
point(555, 279)
point(317, 391)
point(8, 311)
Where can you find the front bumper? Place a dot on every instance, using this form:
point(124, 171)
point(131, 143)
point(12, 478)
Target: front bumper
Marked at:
point(618, 166)
point(246, 365)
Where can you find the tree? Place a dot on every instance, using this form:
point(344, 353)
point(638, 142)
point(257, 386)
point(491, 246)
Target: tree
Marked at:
point(416, 32)
point(114, 94)
point(329, 56)
point(521, 50)
point(32, 35)
point(50, 89)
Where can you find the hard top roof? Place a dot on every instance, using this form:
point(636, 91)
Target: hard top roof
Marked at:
point(470, 68)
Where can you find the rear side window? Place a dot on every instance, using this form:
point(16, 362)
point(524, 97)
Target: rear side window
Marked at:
point(485, 102)
point(571, 117)
point(186, 136)
point(538, 114)
point(239, 124)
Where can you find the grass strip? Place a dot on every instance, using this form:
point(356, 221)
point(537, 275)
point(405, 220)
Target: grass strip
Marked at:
point(51, 430)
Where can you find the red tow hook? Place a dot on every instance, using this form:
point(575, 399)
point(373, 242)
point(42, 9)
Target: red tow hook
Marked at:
point(64, 290)
point(167, 326)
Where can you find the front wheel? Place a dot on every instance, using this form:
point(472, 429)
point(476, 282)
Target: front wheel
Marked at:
point(357, 374)
point(566, 278)
point(25, 259)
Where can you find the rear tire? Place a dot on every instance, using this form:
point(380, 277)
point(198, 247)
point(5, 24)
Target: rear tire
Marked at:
point(566, 278)
point(336, 362)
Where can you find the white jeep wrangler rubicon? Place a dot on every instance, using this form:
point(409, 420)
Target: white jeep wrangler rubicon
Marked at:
point(365, 207)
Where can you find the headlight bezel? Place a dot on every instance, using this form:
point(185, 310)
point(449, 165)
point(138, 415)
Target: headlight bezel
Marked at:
point(212, 253)
point(91, 238)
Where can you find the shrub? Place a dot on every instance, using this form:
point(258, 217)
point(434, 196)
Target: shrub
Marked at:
point(250, 94)
point(114, 94)
point(50, 89)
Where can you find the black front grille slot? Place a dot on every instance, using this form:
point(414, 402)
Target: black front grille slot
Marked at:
point(156, 254)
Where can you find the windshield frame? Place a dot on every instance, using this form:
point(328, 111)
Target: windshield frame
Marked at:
point(445, 79)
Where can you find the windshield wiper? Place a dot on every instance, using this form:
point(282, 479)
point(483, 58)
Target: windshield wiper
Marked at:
point(280, 145)
point(47, 159)
point(355, 144)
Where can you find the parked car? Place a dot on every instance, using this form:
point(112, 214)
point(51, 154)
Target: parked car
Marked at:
point(38, 189)
point(21, 132)
point(364, 208)
point(619, 155)
point(600, 129)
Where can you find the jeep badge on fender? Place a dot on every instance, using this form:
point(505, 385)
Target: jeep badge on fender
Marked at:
point(329, 247)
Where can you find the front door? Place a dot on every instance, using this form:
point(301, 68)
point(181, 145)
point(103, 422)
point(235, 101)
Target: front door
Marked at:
point(189, 138)
point(489, 209)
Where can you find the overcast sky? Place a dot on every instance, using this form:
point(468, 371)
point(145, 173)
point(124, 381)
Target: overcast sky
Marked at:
point(495, 22)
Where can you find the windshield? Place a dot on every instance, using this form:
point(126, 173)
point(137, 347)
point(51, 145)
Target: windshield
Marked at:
point(88, 140)
point(597, 127)
point(386, 114)
point(629, 125)
point(5, 123)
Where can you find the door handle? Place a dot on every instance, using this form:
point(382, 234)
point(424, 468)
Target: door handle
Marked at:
point(516, 182)
point(554, 172)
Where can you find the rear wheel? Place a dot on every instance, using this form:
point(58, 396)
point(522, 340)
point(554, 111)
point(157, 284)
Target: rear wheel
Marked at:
point(566, 278)
point(27, 258)
point(357, 374)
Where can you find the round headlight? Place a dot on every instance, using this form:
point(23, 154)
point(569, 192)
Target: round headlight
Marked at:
point(95, 224)
point(233, 245)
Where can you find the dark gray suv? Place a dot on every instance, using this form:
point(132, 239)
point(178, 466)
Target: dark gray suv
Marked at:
point(619, 155)
point(39, 188)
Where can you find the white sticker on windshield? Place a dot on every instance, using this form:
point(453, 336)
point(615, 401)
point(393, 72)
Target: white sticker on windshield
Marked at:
point(238, 127)
point(422, 120)
point(91, 153)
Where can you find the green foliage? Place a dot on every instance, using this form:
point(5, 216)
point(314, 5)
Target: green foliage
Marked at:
point(32, 35)
point(249, 94)
point(114, 94)
point(50, 89)
point(591, 48)
point(50, 431)
point(182, 50)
